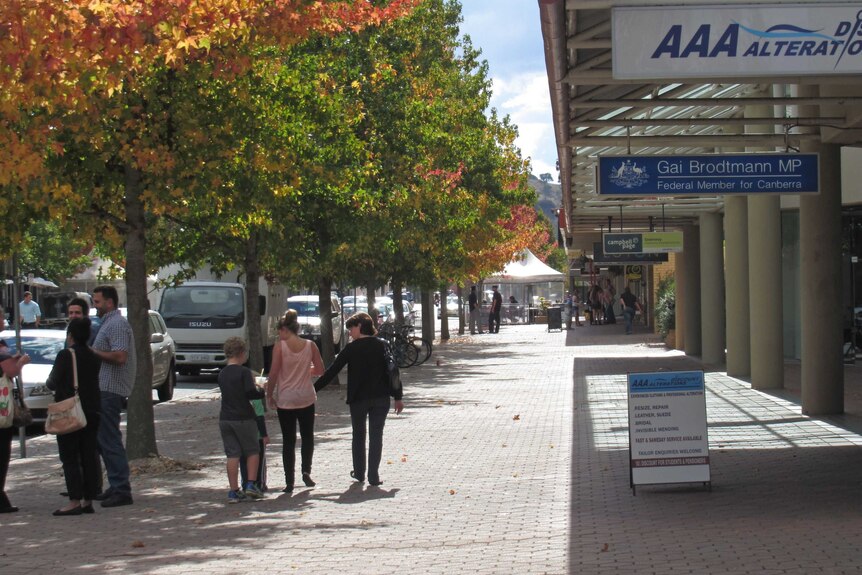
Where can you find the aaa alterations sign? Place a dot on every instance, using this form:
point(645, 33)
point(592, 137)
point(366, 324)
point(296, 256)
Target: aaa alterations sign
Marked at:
point(668, 441)
point(736, 40)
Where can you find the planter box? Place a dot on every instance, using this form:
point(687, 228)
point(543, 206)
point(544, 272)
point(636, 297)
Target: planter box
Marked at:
point(670, 340)
point(540, 319)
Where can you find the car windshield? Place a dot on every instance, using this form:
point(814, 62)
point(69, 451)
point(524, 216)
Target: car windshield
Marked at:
point(42, 350)
point(304, 307)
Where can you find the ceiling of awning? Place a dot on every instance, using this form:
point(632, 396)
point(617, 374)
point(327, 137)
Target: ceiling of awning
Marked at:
point(595, 114)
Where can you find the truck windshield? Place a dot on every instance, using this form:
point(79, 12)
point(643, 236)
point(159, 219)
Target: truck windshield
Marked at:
point(197, 307)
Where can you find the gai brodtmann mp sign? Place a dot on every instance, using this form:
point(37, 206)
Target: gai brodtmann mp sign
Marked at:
point(708, 174)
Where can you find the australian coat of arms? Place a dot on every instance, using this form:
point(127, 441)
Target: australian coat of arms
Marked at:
point(628, 175)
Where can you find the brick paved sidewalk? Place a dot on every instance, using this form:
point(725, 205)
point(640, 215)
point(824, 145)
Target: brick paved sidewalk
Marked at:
point(511, 457)
point(476, 479)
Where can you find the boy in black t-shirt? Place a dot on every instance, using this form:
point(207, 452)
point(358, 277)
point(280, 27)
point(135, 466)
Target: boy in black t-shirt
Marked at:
point(237, 420)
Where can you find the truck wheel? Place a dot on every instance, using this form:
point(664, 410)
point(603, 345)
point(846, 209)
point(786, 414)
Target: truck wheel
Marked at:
point(166, 389)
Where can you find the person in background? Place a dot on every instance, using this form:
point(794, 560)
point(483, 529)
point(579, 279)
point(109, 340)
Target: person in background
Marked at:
point(368, 393)
point(11, 367)
point(79, 450)
point(494, 311)
point(29, 312)
point(290, 390)
point(473, 305)
point(631, 306)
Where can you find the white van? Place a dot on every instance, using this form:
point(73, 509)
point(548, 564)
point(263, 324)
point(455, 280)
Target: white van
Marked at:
point(201, 315)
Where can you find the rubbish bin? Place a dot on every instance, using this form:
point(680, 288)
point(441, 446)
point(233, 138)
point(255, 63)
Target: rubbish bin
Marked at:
point(555, 318)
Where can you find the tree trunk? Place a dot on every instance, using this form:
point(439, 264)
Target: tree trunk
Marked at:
point(140, 431)
point(327, 347)
point(251, 265)
point(397, 301)
point(372, 303)
point(444, 316)
point(427, 299)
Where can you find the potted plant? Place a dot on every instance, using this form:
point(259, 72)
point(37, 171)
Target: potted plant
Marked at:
point(665, 310)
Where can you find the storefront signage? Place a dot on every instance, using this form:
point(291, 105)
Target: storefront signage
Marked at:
point(668, 439)
point(704, 175)
point(601, 258)
point(663, 42)
point(642, 242)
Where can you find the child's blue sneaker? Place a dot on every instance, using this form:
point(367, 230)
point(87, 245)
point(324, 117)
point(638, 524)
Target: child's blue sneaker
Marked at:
point(252, 491)
point(235, 496)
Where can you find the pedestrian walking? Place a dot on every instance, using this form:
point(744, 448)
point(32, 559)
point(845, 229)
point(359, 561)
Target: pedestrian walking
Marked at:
point(630, 307)
point(29, 312)
point(237, 423)
point(368, 393)
point(290, 391)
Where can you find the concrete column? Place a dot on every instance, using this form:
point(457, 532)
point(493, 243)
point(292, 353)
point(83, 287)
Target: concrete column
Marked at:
point(764, 292)
point(736, 282)
point(820, 255)
point(692, 283)
point(679, 278)
point(712, 289)
point(764, 280)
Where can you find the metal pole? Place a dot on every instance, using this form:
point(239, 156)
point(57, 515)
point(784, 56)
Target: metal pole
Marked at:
point(16, 313)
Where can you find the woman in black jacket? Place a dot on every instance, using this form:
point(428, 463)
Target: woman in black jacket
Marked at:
point(368, 393)
point(79, 449)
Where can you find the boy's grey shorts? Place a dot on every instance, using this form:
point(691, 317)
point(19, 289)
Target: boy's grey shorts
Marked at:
point(239, 437)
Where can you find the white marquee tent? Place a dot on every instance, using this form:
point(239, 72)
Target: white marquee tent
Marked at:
point(528, 278)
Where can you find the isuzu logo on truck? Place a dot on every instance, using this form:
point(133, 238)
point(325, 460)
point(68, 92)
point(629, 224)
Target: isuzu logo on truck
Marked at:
point(200, 324)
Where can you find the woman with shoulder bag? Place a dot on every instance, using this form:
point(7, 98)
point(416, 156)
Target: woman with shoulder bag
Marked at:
point(11, 367)
point(368, 391)
point(289, 390)
point(79, 449)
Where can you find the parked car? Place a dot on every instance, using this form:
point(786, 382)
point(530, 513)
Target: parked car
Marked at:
point(308, 310)
point(163, 350)
point(453, 306)
point(42, 345)
point(386, 307)
point(405, 295)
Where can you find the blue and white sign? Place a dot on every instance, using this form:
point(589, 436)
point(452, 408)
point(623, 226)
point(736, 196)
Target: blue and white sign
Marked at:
point(664, 42)
point(668, 439)
point(701, 175)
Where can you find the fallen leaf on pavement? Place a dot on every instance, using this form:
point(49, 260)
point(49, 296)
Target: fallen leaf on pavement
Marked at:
point(605, 547)
point(451, 492)
point(138, 544)
point(517, 418)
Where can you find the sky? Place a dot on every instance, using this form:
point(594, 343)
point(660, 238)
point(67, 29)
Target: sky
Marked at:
point(509, 34)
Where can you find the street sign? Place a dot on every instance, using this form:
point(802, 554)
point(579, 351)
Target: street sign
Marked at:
point(668, 440)
point(704, 175)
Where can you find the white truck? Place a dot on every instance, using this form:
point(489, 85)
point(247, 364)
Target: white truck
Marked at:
point(202, 314)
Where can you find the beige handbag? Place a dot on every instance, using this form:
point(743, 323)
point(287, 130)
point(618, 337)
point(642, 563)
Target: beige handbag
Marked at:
point(67, 416)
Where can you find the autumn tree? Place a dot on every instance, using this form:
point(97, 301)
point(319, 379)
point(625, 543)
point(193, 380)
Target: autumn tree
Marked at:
point(88, 129)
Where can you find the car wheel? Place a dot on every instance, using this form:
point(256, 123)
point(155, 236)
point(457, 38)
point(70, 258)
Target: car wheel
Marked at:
point(166, 389)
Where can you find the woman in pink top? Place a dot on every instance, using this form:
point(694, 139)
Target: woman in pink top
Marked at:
point(290, 390)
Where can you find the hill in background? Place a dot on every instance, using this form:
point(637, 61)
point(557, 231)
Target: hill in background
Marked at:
point(549, 197)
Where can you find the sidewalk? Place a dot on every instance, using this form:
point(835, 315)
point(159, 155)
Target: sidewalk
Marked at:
point(510, 457)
